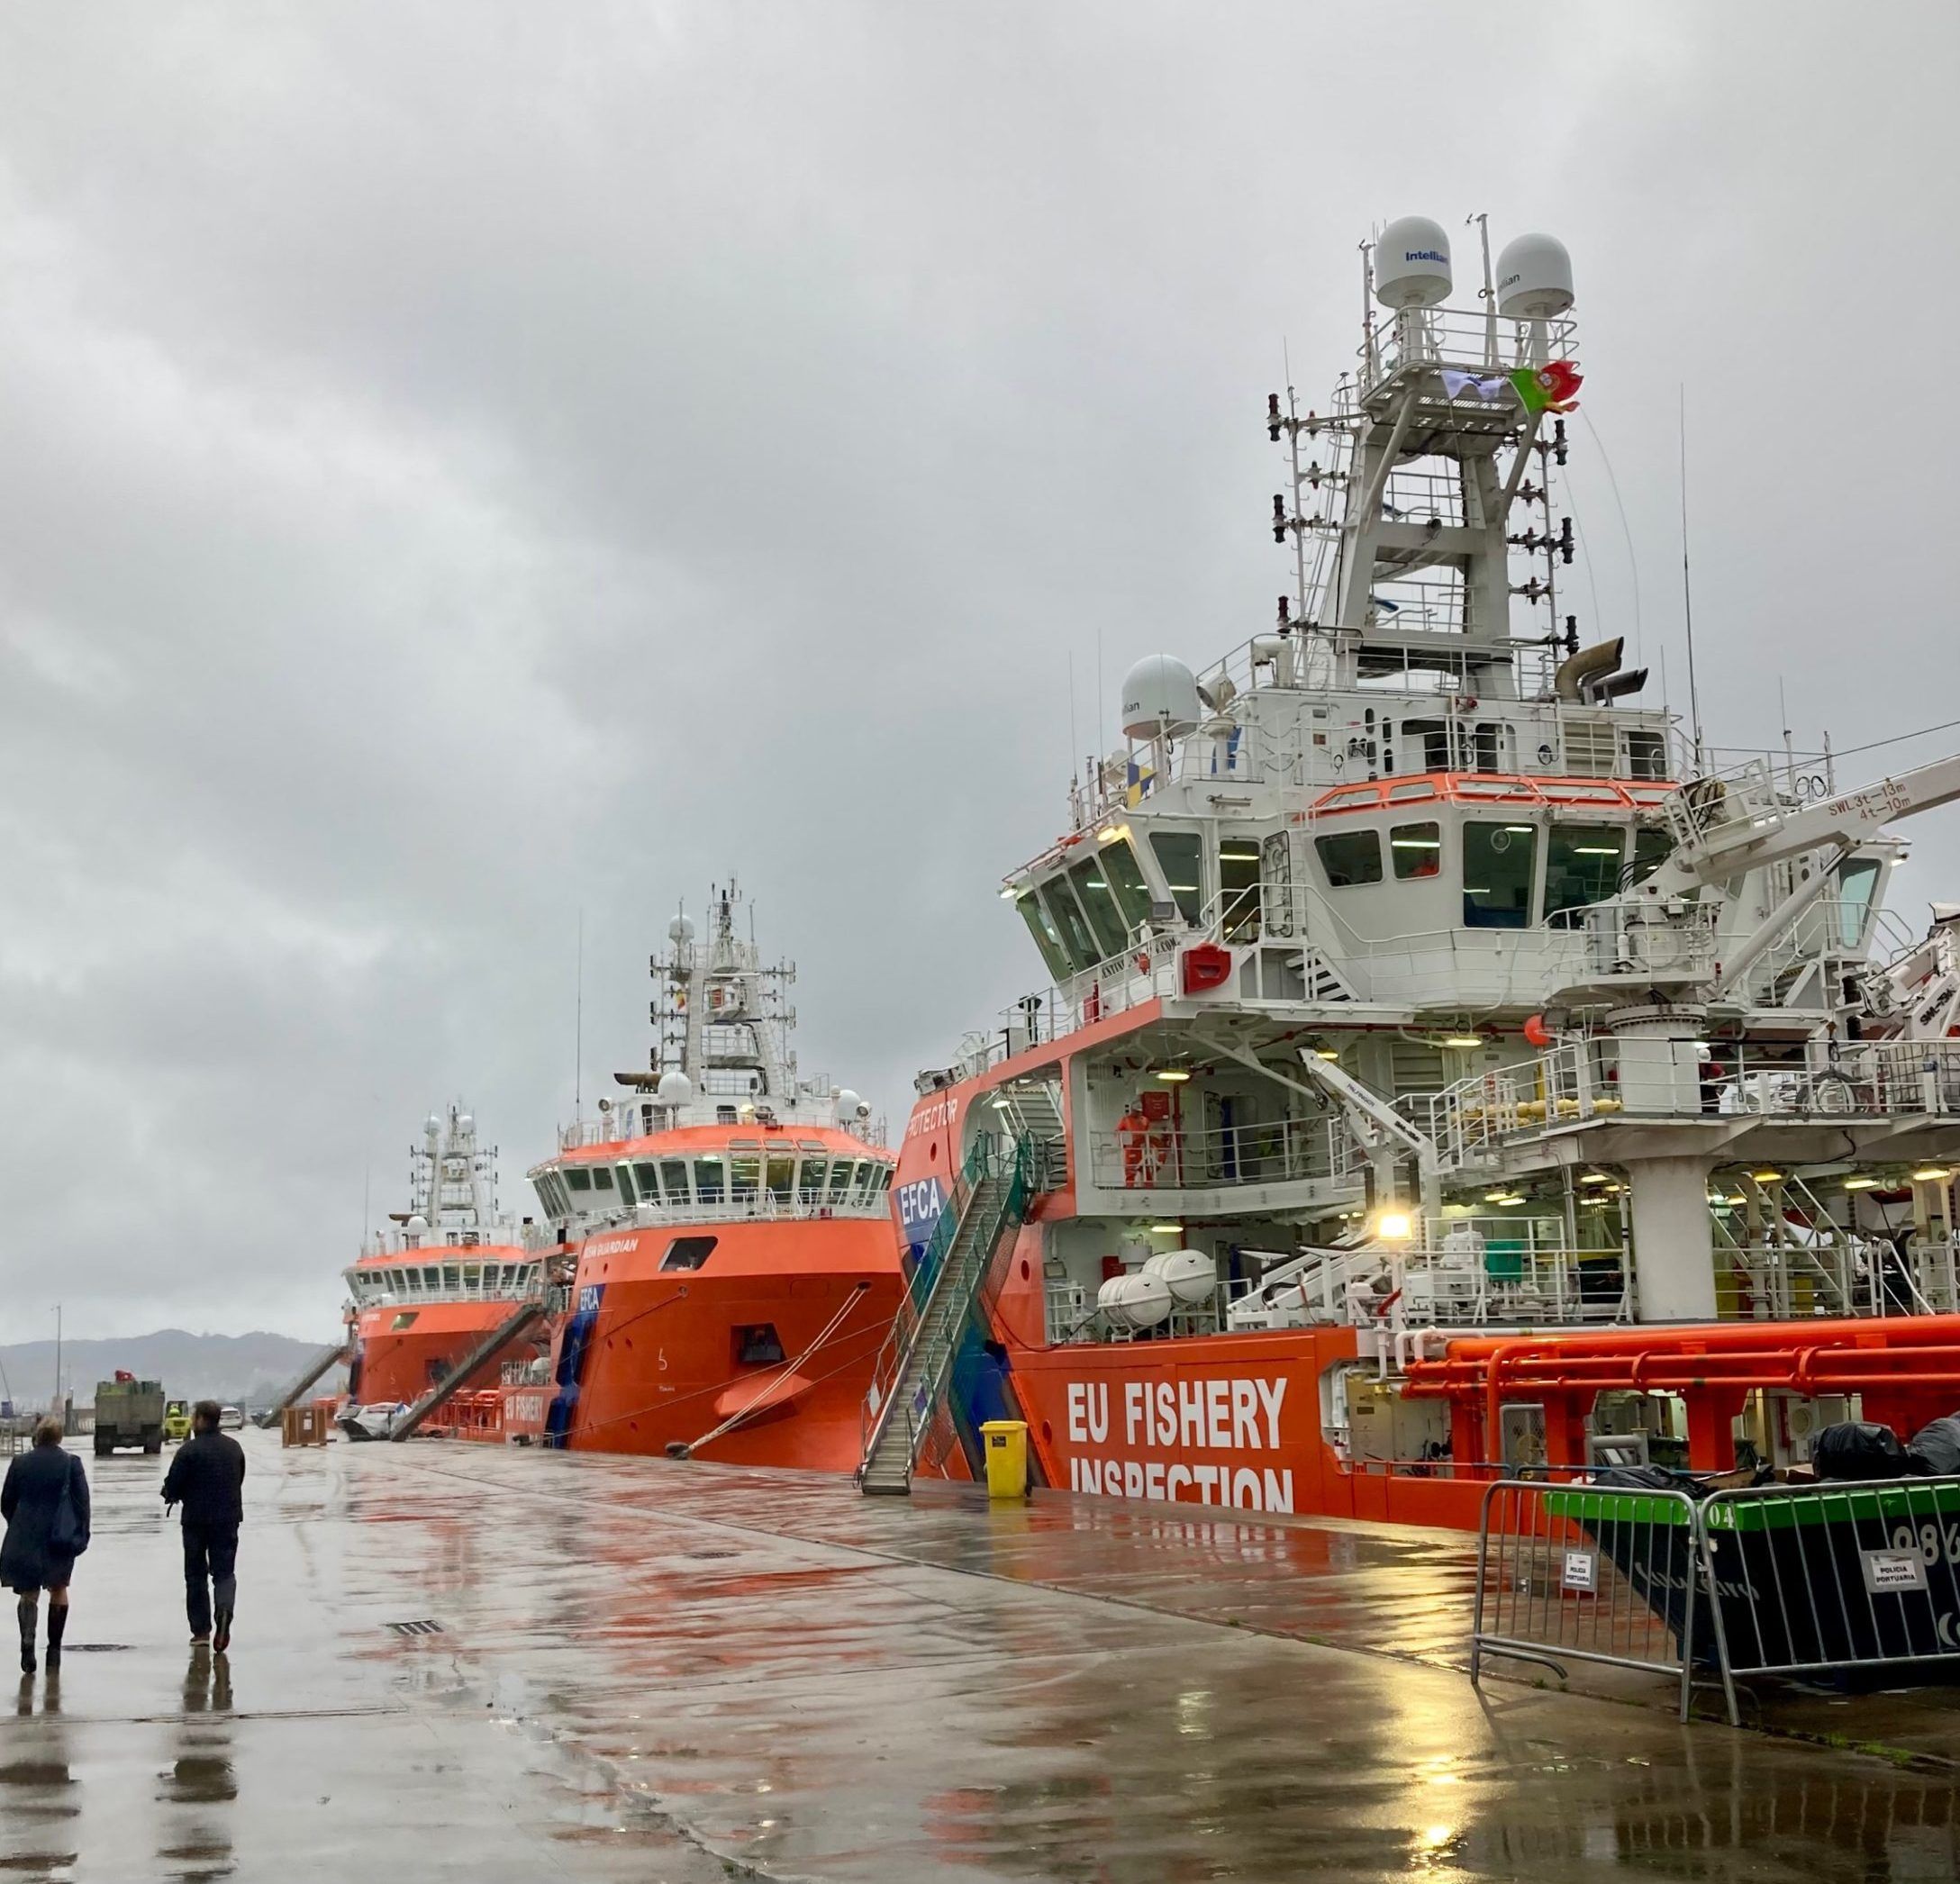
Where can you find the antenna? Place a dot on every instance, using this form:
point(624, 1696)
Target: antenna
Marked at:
point(1687, 591)
point(578, 1029)
point(1490, 292)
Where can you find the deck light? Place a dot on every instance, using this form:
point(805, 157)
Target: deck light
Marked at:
point(1766, 1177)
point(1466, 1041)
point(1861, 1183)
point(1009, 894)
point(1394, 1226)
point(1325, 1052)
point(1504, 1203)
point(1932, 1174)
point(1496, 1197)
point(1000, 1105)
point(1596, 1177)
point(1167, 1229)
point(1171, 1074)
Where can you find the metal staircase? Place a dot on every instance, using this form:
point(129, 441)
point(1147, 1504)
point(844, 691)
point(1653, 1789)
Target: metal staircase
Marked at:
point(507, 1331)
point(917, 1360)
point(1031, 1109)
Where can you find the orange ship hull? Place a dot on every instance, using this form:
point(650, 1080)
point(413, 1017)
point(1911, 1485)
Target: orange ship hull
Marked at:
point(768, 1347)
point(400, 1353)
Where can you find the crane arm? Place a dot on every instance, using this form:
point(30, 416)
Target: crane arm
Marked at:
point(1751, 842)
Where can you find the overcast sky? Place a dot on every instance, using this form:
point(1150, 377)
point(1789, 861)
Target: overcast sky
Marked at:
point(465, 464)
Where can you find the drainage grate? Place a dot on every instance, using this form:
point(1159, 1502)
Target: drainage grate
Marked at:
point(95, 1648)
point(425, 1625)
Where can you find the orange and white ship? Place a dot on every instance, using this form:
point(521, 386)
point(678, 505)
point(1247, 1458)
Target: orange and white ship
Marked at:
point(1450, 1066)
point(736, 1271)
point(430, 1295)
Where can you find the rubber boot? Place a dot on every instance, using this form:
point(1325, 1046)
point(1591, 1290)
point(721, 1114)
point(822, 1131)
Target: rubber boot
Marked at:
point(26, 1611)
point(58, 1622)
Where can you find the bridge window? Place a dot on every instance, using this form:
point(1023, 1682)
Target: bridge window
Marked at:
point(1099, 901)
point(626, 1185)
point(1416, 850)
point(839, 1180)
point(602, 1177)
point(744, 1178)
point(1857, 878)
point(816, 1173)
point(1238, 888)
point(648, 1182)
point(1425, 748)
point(1582, 866)
point(1048, 939)
point(1177, 854)
point(1499, 864)
point(1125, 876)
point(780, 1176)
point(1067, 918)
point(687, 1251)
point(577, 1177)
point(674, 1180)
point(1651, 845)
point(1351, 858)
point(709, 1181)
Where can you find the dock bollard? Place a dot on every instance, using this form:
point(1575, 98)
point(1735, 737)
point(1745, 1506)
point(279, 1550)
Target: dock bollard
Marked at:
point(1006, 1441)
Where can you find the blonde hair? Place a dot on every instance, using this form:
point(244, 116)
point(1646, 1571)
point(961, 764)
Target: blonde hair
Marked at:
point(49, 1432)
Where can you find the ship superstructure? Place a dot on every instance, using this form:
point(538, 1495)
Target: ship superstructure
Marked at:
point(1417, 983)
point(429, 1293)
point(736, 1273)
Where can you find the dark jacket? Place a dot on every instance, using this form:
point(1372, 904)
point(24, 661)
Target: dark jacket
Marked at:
point(207, 1477)
point(29, 1501)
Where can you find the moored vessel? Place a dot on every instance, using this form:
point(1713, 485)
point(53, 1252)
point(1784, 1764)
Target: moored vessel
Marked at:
point(736, 1272)
point(448, 1299)
point(1453, 1063)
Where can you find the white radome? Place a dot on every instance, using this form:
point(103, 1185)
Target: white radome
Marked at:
point(675, 1089)
point(1411, 264)
point(1160, 694)
point(1534, 278)
point(850, 1106)
point(681, 931)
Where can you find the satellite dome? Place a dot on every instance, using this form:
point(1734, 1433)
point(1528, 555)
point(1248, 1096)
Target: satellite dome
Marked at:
point(433, 1126)
point(465, 1122)
point(681, 931)
point(416, 1226)
point(1160, 695)
point(675, 1089)
point(1411, 264)
point(850, 1106)
point(1534, 278)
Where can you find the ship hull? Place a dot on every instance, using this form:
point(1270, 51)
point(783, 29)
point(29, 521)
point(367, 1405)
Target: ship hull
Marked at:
point(402, 1363)
point(777, 1333)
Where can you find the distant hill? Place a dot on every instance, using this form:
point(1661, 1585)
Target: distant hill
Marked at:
point(244, 1369)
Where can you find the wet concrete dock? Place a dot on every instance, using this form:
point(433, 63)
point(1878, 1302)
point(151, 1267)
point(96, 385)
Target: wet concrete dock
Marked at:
point(655, 1671)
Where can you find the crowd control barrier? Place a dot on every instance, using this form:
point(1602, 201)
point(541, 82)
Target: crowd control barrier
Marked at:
point(1826, 1580)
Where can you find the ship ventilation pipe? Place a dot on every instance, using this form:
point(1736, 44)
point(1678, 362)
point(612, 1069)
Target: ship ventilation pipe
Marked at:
point(1616, 684)
point(1592, 662)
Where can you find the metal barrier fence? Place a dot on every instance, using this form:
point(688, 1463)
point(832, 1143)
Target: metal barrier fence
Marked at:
point(1768, 1579)
point(1585, 1573)
point(1823, 1579)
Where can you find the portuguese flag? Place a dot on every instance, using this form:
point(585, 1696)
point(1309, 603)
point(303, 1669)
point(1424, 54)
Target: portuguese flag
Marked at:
point(1547, 389)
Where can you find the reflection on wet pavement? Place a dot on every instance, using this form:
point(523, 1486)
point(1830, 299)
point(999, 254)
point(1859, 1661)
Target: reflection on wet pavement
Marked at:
point(654, 1671)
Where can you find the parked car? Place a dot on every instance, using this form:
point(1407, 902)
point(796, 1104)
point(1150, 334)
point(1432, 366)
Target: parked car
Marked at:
point(229, 1419)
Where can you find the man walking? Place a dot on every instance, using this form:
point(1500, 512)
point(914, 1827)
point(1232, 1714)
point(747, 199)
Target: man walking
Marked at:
point(207, 1477)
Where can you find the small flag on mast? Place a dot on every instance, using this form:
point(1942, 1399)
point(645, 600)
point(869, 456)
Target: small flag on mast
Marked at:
point(1553, 388)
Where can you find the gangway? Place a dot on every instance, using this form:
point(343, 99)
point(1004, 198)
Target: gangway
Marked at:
point(996, 1184)
point(521, 1318)
point(331, 1355)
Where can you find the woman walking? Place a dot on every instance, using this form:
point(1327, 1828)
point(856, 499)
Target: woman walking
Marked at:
point(45, 1503)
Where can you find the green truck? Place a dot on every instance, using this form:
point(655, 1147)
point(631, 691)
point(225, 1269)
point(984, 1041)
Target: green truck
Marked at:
point(128, 1412)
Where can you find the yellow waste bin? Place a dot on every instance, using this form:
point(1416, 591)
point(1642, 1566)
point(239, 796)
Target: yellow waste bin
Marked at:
point(1006, 1442)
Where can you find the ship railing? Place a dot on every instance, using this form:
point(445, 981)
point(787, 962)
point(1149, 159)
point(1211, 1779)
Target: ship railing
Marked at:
point(1833, 927)
point(1163, 1156)
point(449, 1293)
point(1469, 339)
point(1601, 1078)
